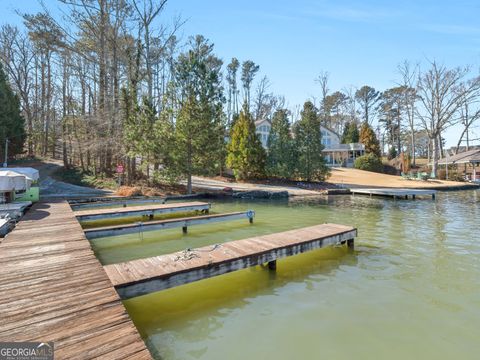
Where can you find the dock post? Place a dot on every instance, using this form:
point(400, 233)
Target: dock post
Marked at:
point(433, 196)
point(184, 229)
point(413, 196)
point(350, 244)
point(272, 265)
point(250, 215)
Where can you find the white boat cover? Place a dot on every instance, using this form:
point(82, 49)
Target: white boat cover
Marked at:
point(13, 181)
point(27, 171)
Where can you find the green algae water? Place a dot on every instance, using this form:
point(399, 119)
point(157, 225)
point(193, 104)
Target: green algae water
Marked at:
point(410, 290)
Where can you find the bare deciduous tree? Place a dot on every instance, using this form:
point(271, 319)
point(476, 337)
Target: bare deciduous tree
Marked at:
point(409, 76)
point(442, 93)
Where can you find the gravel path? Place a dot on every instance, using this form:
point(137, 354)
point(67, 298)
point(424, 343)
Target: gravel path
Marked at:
point(49, 187)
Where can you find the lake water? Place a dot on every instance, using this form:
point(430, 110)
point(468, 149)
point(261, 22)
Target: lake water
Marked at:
point(410, 290)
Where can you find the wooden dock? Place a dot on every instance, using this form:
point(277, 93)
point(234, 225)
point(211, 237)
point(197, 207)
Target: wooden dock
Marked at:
point(147, 210)
point(395, 193)
point(120, 202)
point(184, 223)
point(143, 276)
point(53, 288)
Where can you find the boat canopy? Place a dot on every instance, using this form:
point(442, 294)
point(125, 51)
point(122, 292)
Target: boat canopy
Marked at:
point(27, 171)
point(14, 181)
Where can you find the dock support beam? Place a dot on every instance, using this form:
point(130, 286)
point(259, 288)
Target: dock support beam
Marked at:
point(272, 265)
point(433, 196)
point(350, 244)
point(184, 229)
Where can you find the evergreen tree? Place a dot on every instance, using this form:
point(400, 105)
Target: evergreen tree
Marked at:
point(308, 141)
point(350, 133)
point(369, 139)
point(246, 156)
point(138, 125)
point(200, 122)
point(367, 97)
point(12, 123)
point(281, 156)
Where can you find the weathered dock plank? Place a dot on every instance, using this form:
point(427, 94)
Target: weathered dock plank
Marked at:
point(146, 210)
point(58, 291)
point(184, 223)
point(143, 276)
point(395, 193)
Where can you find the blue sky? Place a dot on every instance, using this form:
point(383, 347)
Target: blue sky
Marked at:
point(358, 43)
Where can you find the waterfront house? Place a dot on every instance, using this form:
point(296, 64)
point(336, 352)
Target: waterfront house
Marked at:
point(336, 154)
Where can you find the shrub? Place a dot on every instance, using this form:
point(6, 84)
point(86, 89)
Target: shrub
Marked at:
point(441, 174)
point(392, 153)
point(369, 162)
point(128, 191)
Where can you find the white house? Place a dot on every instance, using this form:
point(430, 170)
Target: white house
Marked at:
point(336, 154)
point(263, 130)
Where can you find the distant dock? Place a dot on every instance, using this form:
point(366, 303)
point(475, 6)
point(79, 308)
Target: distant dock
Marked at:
point(143, 276)
point(394, 193)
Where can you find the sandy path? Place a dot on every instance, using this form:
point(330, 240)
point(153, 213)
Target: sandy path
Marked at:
point(202, 183)
point(358, 178)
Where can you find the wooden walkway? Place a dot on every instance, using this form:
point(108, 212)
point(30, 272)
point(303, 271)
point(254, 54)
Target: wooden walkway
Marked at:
point(146, 210)
point(395, 193)
point(184, 223)
point(53, 288)
point(143, 276)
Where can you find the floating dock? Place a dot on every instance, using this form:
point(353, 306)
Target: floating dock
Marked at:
point(147, 210)
point(184, 223)
point(395, 193)
point(53, 288)
point(143, 276)
point(121, 202)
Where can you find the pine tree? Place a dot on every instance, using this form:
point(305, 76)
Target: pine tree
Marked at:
point(350, 133)
point(281, 156)
point(12, 123)
point(246, 156)
point(200, 122)
point(308, 141)
point(369, 139)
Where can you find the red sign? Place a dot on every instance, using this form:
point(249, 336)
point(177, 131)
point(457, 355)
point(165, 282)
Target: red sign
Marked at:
point(120, 169)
